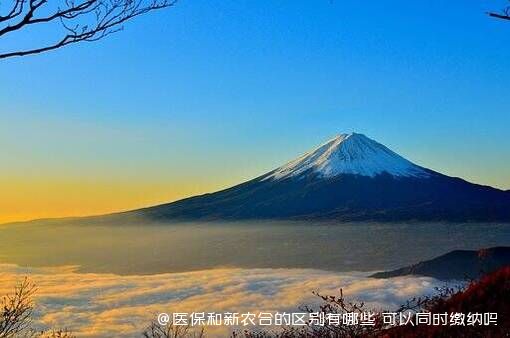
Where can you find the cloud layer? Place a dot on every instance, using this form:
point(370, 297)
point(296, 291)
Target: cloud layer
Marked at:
point(102, 305)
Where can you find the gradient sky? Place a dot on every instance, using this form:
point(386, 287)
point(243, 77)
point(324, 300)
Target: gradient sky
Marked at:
point(210, 93)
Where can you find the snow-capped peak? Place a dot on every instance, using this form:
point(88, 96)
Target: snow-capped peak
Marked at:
point(350, 154)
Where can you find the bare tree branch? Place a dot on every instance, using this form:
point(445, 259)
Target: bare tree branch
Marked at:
point(88, 20)
point(170, 330)
point(499, 16)
point(504, 14)
point(16, 10)
point(16, 310)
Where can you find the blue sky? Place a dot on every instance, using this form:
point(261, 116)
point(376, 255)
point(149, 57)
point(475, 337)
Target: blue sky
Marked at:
point(214, 92)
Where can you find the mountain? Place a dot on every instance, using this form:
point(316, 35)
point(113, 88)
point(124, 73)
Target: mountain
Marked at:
point(458, 264)
point(353, 154)
point(349, 178)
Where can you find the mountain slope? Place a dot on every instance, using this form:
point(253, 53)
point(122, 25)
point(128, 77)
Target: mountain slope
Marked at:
point(458, 264)
point(349, 178)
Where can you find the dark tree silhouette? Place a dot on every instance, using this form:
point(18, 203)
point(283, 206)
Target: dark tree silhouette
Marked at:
point(16, 310)
point(490, 293)
point(82, 20)
point(504, 14)
point(155, 330)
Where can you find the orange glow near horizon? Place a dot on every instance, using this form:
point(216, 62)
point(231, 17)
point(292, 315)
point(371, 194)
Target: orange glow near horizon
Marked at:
point(24, 200)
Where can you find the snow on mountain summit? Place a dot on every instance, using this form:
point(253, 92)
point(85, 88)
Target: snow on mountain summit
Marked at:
point(350, 154)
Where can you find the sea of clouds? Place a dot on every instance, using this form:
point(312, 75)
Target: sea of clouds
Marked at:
point(110, 305)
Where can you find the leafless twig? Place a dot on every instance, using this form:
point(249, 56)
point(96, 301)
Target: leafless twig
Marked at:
point(504, 14)
point(86, 20)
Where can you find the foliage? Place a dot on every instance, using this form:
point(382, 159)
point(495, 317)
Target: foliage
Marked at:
point(489, 294)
